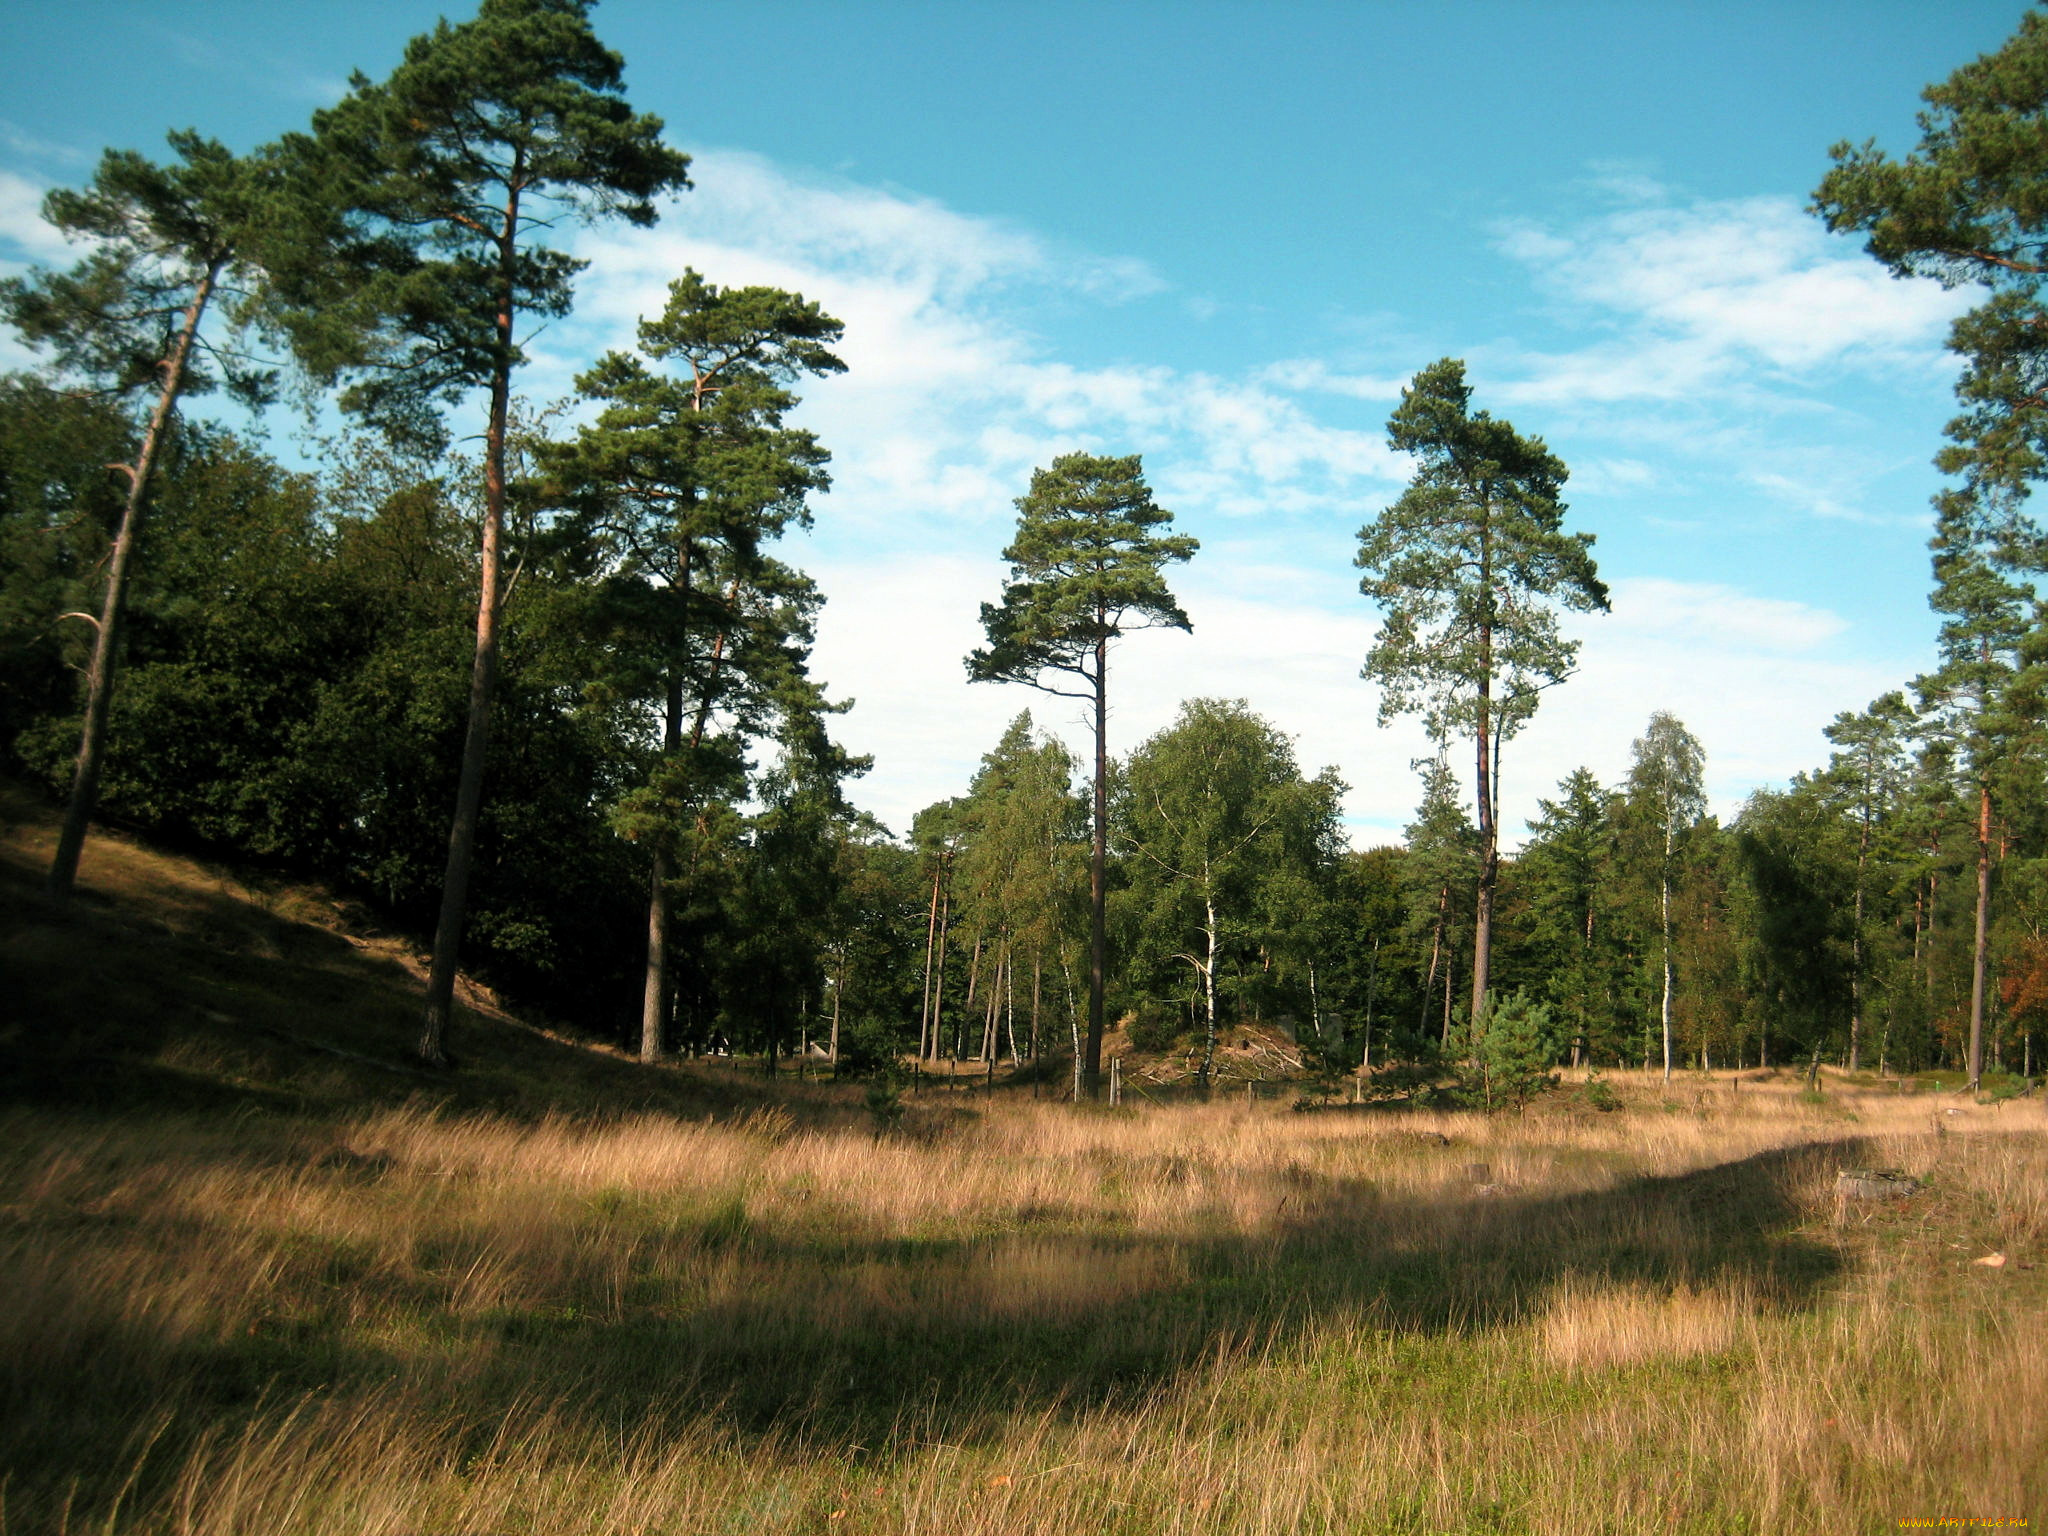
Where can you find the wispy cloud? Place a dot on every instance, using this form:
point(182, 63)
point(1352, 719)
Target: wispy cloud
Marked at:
point(950, 398)
point(953, 395)
point(24, 237)
point(1687, 297)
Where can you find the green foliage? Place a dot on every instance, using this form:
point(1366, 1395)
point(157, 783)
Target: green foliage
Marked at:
point(1517, 1048)
point(449, 178)
point(1468, 564)
point(1085, 567)
point(1155, 1026)
point(161, 239)
point(1223, 843)
point(1965, 208)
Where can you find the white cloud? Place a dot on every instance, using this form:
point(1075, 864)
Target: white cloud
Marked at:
point(951, 398)
point(1755, 679)
point(24, 236)
point(1697, 296)
point(1703, 614)
point(949, 401)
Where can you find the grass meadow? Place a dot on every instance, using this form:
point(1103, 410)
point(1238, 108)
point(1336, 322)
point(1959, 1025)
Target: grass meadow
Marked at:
point(257, 1277)
point(1222, 1318)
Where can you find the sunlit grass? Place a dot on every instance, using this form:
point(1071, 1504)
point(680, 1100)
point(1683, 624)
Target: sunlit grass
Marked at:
point(1195, 1319)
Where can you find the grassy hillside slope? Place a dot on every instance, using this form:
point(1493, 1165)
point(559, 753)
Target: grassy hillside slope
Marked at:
point(173, 984)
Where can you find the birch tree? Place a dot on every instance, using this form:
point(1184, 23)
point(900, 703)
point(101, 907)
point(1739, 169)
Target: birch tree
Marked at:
point(1665, 791)
point(1214, 812)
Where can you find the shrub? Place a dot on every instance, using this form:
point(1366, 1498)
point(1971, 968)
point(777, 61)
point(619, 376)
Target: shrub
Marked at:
point(1517, 1048)
point(1154, 1026)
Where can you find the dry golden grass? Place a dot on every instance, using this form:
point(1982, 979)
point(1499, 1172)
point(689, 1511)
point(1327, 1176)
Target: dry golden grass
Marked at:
point(1192, 1319)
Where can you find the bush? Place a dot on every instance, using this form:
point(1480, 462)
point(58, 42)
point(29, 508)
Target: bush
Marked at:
point(1518, 1045)
point(1154, 1027)
point(871, 1047)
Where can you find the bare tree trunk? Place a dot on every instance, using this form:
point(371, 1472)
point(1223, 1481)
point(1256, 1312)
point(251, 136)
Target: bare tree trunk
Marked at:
point(838, 992)
point(483, 678)
point(1489, 871)
point(99, 685)
point(1436, 944)
point(992, 1008)
point(1666, 891)
point(1037, 982)
point(1209, 994)
point(655, 996)
point(1073, 1025)
point(1856, 940)
point(967, 1008)
point(931, 934)
point(939, 985)
point(1098, 932)
point(1010, 1005)
point(1978, 958)
point(1372, 993)
point(1489, 832)
point(1449, 991)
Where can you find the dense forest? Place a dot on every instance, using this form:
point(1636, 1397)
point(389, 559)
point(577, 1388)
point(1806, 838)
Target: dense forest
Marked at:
point(579, 639)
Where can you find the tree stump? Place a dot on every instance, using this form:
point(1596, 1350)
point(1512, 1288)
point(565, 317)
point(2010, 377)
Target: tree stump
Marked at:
point(1857, 1184)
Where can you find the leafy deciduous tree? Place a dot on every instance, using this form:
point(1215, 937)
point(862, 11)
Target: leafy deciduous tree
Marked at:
point(1214, 815)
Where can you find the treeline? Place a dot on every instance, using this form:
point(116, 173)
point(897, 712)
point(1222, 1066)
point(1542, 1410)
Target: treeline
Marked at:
point(295, 692)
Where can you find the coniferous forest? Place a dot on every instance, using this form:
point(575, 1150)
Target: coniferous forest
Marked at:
point(580, 649)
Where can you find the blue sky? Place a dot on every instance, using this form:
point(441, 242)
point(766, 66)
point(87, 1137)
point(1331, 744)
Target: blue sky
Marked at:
point(1222, 236)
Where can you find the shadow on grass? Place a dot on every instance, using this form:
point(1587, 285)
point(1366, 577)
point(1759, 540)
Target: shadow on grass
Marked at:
point(164, 988)
point(853, 1346)
point(858, 1363)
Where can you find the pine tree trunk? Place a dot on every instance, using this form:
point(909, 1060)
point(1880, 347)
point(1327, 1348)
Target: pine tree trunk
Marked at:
point(483, 678)
point(1978, 958)
point(99, 686)
point(1489, 833)
point(654, 999)
point(1489, 872)
point(1098, 940)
